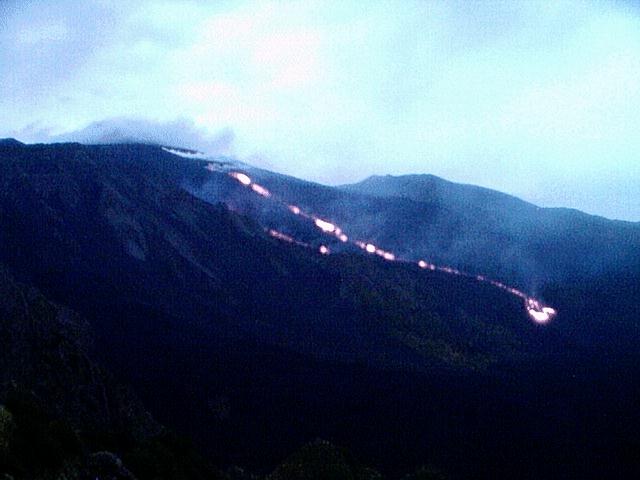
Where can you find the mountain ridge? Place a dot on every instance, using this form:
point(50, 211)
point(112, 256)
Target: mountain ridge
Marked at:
point(253, 346)
point(530, 247)
point(391, 185)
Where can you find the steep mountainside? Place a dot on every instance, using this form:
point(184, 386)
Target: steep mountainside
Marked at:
point(45, 350)
point(468, 227)
point(543, 244)
point(551, 253)
point(253, 346)
point(61, 414)
point(112, 226)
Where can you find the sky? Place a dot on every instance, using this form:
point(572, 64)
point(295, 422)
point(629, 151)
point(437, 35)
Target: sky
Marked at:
point(537, 99)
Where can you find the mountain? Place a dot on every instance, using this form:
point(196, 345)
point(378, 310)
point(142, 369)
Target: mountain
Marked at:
point(552, 253)
point(112, 226)
point(588, 266)
point(470, 228)
point(60, 412)
point(252, 345)
point(506, 236)
point(559, 244)
point(9, 142)
point(46, 351)
point(433, 189)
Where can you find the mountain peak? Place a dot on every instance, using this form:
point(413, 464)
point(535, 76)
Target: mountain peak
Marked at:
point(10, 142)
point(431, 188)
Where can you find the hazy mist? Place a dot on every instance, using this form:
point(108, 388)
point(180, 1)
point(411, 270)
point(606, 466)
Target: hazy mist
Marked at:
point(537, 99)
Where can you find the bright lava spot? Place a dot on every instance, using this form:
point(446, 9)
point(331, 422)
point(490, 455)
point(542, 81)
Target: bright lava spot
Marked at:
point(343, 237)
point(450, 270)
point(422, 264)
point(323, 250)
point(295, 210)
point(539, 317)
point(281, 236)
point(324, 226)
point(370, 248)
point(260, 190)
point(539, 313)
point(241, 177)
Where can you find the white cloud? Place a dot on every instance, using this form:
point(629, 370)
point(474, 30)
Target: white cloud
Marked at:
point(176, 133)
point(491, 93)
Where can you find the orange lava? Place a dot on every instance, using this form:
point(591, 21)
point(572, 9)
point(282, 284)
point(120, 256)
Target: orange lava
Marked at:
point(325, 226)
point(281, 236)
point(241, 177)
point(541, 314)
point(260, 190)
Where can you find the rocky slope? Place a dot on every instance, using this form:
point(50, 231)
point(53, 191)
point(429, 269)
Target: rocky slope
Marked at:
point(252, 346)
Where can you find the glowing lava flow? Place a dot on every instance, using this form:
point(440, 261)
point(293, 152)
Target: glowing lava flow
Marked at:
point(289, 239)
point(325, 226)
point(371, 248)
point(538, 312)
point(281, 236)
point(241, 177)
point(260, 190)
point(423, 264)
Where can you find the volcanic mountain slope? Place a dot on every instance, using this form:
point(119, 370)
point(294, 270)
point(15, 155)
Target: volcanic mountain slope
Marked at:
point(111, 226)
point(555, 253)
point(587, 266)
point(470, 228)
point(253, 346)
point(561, 244)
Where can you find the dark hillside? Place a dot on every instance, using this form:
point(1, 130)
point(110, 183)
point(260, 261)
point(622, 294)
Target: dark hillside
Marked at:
point(471, 228)
point(254, 347)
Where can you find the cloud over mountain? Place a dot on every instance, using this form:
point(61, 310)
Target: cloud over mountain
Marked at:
point(179, 133)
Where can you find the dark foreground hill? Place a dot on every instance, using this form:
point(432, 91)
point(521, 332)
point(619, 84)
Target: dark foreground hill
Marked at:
point(253, 347)
point(64, 416)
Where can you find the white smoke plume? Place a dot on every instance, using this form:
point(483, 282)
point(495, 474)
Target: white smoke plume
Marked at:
point(176, 133)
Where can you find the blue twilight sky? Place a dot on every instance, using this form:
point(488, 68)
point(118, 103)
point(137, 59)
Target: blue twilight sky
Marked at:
point(537, 99)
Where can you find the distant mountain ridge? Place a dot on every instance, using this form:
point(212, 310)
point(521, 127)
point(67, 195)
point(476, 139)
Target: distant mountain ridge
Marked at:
point(431, 188)
point(471, 228)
